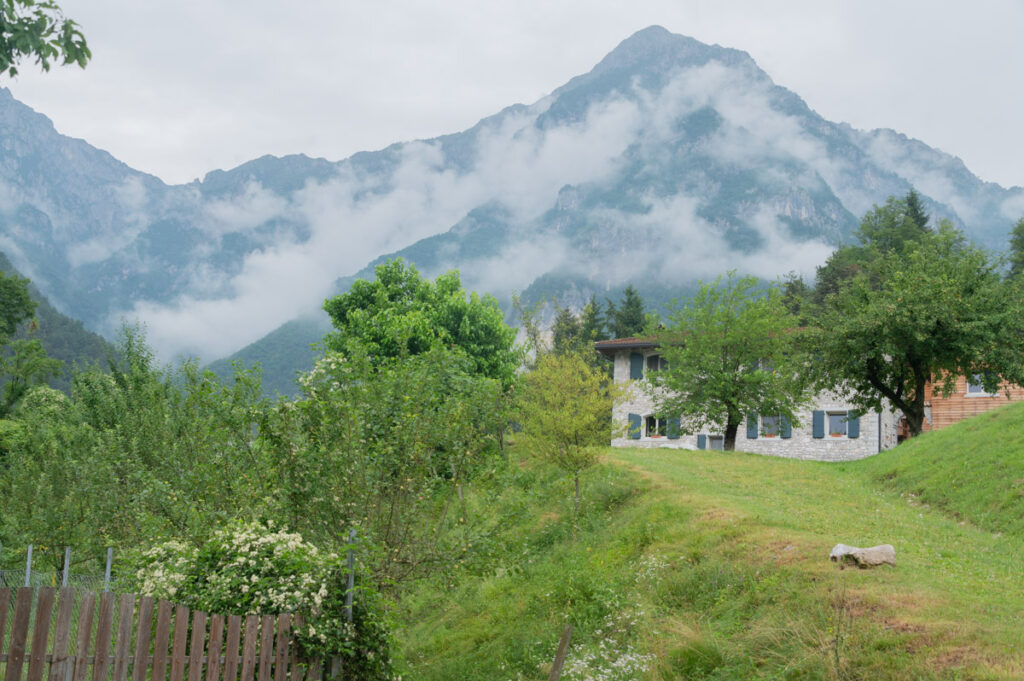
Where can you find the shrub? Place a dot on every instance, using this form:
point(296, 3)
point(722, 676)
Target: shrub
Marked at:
point(256, 568)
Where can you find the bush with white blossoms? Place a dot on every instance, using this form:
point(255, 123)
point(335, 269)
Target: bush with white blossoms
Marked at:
point(256, 568)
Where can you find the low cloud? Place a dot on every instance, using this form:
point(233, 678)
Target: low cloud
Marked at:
point(129, 218)
point(352, 219)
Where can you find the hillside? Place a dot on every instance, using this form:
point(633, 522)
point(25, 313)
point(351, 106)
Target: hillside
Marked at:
point(973, 470)
point(700, 565)
point(62, 337)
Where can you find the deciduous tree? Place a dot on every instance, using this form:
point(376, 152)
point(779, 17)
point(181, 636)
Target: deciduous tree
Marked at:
point(38, 29)
point(564, 408)
point(400, 313)
point(930, 312)
point(731, 351)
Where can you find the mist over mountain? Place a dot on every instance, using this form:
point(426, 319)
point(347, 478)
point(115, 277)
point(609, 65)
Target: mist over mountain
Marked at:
point(671, 160)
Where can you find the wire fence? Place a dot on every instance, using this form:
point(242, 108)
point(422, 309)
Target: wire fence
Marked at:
point(27, 576)
point(55, 578)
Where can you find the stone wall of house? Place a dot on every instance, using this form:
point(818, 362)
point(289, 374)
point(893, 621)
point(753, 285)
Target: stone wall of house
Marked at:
point(877, 430)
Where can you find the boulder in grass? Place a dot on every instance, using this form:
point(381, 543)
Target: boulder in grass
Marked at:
point(883, 554)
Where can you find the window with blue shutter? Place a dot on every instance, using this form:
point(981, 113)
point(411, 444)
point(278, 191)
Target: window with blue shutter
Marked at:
point(702, 441)
point(818, 423)
point(636, 366)
point(786, 429)
point(752, 425)
point(674, 428)
point(635, 424)
point(853, 425)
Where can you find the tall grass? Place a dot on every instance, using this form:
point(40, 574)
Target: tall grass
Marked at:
point(712, 565)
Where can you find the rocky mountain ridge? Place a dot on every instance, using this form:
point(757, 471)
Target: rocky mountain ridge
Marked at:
point(669, 161)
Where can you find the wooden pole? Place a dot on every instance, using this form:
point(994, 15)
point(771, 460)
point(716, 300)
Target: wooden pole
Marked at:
point(563, 650)
point(67, 566)
point(28, 567)
point(106, 571)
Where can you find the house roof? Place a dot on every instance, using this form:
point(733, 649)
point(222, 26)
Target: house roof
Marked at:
point(608, 348)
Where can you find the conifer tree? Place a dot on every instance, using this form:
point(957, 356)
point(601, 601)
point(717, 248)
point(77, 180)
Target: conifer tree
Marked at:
point(627, 318)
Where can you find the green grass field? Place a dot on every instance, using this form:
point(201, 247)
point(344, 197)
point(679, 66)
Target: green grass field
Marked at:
point(712, 565)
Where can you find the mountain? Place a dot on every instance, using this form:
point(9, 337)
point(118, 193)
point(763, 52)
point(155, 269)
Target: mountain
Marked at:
point(671, 160)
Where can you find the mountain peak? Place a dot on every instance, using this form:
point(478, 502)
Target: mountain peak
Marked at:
point(657, 46)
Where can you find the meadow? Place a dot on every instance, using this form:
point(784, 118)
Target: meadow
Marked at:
point(714, 565)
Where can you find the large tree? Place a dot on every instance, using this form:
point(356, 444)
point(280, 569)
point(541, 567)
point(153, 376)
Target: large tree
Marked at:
point(38, 29)
point(731, 351)
point(928, 312)
point(400, 313)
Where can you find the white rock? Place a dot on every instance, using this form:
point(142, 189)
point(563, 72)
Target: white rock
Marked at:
point(884, 554)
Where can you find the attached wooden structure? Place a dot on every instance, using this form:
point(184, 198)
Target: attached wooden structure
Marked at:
point(68, 635)
point(964, 402)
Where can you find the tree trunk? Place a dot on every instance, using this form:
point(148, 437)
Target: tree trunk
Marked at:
point(732, 426)
point(914, 422)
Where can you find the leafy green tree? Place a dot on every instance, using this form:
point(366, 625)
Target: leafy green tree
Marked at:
point(135, 453)
point(564, 407)
point(16, 305)
point(1017, 249)
point(23, 362)
point(892, 228)
point(38, 29)
point(385, 446)
point(931, 312)
point(626, 318)
point(731, 351)
point(400, 313)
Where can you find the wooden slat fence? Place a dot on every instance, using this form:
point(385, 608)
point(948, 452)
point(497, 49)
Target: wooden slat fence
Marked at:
point(49, 634)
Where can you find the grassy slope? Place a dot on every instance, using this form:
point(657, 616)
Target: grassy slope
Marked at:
point(974, 470)
point(713, 565)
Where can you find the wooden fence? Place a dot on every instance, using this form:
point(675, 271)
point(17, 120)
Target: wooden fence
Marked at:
point(105, 637)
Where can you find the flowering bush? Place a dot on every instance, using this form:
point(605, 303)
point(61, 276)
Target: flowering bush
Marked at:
point(256, 568)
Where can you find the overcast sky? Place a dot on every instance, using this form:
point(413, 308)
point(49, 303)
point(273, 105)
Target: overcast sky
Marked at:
point(180, 88)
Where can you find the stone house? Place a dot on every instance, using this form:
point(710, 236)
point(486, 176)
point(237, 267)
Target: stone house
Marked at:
point(829, 430)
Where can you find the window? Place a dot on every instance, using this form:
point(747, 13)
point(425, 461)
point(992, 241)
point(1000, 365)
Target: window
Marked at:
point(655, 427)
point(975, 387)
point(837, 423)
point(716, 442)
point(656, 363)
point(770, 425)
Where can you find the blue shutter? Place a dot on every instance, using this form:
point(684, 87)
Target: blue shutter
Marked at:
point(702, 441)
point(635, 426)
point(818, 423)
point(636, 365)
point(786, 428)
point(752, 425)
point(853, 425)
point(674, 427)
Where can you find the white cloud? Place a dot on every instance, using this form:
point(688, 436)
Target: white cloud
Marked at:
point(353, 219)
point(253, 207)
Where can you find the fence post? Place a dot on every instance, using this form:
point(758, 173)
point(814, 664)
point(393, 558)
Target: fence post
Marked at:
point(67, 566)
point(28, 567)
point(351, 574)
point(106, 571)
point(563, 650)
